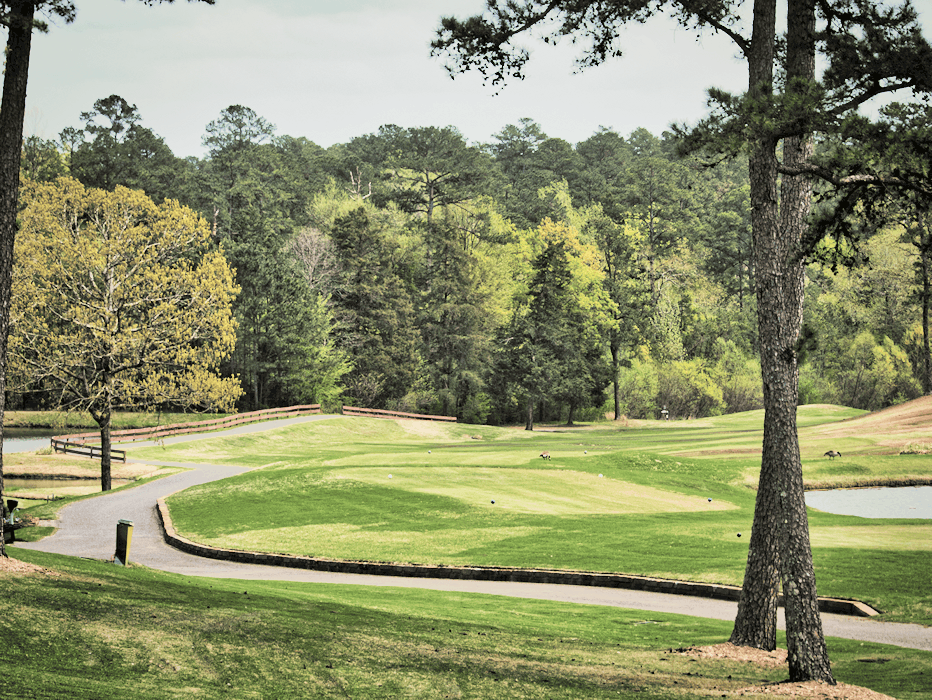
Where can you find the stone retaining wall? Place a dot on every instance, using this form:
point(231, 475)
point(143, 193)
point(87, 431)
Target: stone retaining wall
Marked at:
point(484, 573)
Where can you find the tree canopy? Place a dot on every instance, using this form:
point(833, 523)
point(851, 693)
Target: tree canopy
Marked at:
point(119, 303)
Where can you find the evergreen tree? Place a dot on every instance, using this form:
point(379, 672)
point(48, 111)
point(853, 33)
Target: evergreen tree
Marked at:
point(655, 193)
point(899, 143)
point(626, 288)
point(428, 168)
point(606, 157)
point(115, 149)
point(42, 160)
point(253, 191)
point(527, 164)
point(375, 314)
point(551, 353)
point(724, 241)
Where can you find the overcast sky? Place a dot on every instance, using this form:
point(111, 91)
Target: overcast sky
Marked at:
point(329, 70)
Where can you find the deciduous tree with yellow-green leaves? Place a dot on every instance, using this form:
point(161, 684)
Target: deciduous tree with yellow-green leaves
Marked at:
point(119, 303)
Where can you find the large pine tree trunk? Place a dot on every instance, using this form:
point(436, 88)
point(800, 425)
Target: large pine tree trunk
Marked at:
point(756, 621)
point(780, 536)
point(12, 114)
point(924, 247)
point(807, 653)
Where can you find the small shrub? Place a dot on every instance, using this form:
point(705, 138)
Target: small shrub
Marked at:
point(477, 408)
point(916, 448)
point(638, 385)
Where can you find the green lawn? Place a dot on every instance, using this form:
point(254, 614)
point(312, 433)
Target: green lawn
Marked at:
point(662, 499)
point(89, 629)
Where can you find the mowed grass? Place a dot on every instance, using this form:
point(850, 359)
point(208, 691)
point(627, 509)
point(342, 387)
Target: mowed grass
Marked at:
point(538, 491)
point(86, 629)
point(914, 538)
point(661, 499)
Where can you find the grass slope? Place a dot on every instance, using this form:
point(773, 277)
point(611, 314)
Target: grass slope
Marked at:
point(662, 499)
point(83, 629)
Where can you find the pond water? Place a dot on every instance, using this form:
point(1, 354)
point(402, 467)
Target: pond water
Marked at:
point(26, 439)
point(898, 502)
point(40, 485)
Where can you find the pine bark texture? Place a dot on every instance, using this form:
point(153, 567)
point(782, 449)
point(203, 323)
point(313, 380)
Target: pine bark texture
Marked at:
point(780, 534)
point(756, 621)
point(806, 650)
point(924, 248)
point(12, 115)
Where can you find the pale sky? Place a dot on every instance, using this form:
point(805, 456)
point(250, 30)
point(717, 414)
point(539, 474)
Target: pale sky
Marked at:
point(330, 70)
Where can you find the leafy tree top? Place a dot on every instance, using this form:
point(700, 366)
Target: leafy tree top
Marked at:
point(119, 302)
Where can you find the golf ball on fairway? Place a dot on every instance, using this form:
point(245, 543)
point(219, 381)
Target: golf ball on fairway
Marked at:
point(389, 476)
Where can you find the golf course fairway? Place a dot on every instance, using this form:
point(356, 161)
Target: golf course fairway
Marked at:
point(666, 499)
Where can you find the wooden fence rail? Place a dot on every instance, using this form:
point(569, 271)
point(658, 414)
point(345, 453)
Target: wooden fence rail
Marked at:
point(77, 444)
point(71, 443)
point(379, 413)
point(92, 451)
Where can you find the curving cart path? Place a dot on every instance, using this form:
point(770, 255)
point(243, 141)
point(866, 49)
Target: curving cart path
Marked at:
point(88, 529)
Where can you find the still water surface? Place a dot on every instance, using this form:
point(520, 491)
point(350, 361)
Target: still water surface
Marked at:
point(899, 502)
point(29, 440)
point(26, 439)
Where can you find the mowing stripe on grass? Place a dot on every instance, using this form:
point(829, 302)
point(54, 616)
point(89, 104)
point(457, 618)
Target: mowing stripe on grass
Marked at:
point(906, 538)
point(537, 491)
point(370, 542)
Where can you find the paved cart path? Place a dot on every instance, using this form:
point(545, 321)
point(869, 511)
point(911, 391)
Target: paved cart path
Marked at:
point(88, 529)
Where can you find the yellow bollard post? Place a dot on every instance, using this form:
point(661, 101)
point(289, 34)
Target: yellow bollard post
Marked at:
point(124, 537)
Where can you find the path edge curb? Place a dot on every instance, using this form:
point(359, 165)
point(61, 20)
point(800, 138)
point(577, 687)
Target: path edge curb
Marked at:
point(836, 606)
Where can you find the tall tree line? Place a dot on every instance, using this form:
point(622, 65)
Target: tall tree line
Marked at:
point(401, 269)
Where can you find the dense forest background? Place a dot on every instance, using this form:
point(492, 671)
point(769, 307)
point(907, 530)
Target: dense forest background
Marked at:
point(520, 280)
